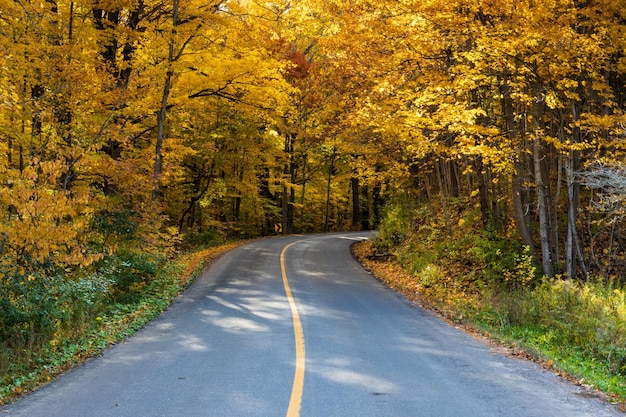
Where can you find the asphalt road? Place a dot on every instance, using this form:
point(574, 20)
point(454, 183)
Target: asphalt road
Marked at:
point(227, 347)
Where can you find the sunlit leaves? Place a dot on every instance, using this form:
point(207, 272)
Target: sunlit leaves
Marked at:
point(395, 88)
point(44, 223)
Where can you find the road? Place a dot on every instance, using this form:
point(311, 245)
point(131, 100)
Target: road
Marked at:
point(308, 333)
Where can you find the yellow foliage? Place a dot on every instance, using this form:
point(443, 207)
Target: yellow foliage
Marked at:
point(44, 223)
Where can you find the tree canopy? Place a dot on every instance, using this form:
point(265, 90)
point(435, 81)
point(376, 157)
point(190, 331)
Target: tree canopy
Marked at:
point(244, 118)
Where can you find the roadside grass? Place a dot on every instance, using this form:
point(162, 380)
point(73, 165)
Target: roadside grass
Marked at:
point(490, 286)
point(577, 353)
point(86, 329)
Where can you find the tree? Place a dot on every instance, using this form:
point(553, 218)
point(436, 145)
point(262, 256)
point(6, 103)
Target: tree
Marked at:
point(462, 93)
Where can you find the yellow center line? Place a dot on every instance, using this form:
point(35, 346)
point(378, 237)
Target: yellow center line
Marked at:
point(298, 380)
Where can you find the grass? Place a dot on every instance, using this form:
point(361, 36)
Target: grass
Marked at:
point(560, 342)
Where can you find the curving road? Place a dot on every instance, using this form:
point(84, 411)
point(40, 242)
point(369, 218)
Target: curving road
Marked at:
point(258, 332)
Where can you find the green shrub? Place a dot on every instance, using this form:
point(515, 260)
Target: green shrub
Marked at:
point(129, 272)
point(113, 226)
point(82, 300)
point(199, 239)
point(394, 228)
point(29, 308)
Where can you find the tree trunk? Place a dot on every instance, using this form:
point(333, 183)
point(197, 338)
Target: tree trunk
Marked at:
point(37, 93)
point(9, 153)
point(483, 195)
point(161, 117)
point(356, 207)
point(158, 156)
point(452, 178)
point(542, 208)
point(550, 203)
point(240, 171)
point(289, 196)
point(513, 132)
point(199, 192)
point(429, 196)
point(442, 193)
point(538, 110)
point(518, 209)
point(331, 168)
point(570, 257)
point(303, 193)
point(377, 202)
point(573, 196)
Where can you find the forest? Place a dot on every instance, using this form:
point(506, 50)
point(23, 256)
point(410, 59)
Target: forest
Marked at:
point(132, 131)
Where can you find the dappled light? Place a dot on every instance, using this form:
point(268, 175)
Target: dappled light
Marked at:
point(483, 140)
point(345, 372)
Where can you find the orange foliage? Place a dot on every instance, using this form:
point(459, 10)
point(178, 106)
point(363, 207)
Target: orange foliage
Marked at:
point(300, 65)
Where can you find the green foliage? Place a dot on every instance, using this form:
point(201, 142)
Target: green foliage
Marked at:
point(44, 311)
point(396, 223)
point(574, 360)
point(209, 237)
point(80, 299)
point(419, 242)
point(129, 271)
point(588, 316)
point(505, 264)
point(28, 308)
point(114, 226)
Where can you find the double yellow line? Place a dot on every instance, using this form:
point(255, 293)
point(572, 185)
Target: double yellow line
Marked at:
point(298, 380)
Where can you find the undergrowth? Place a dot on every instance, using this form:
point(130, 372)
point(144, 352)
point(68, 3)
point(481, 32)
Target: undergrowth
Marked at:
point(489, 281)
point(51, 324)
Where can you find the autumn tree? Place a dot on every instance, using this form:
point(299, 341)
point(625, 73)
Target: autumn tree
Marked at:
point(483, 99)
